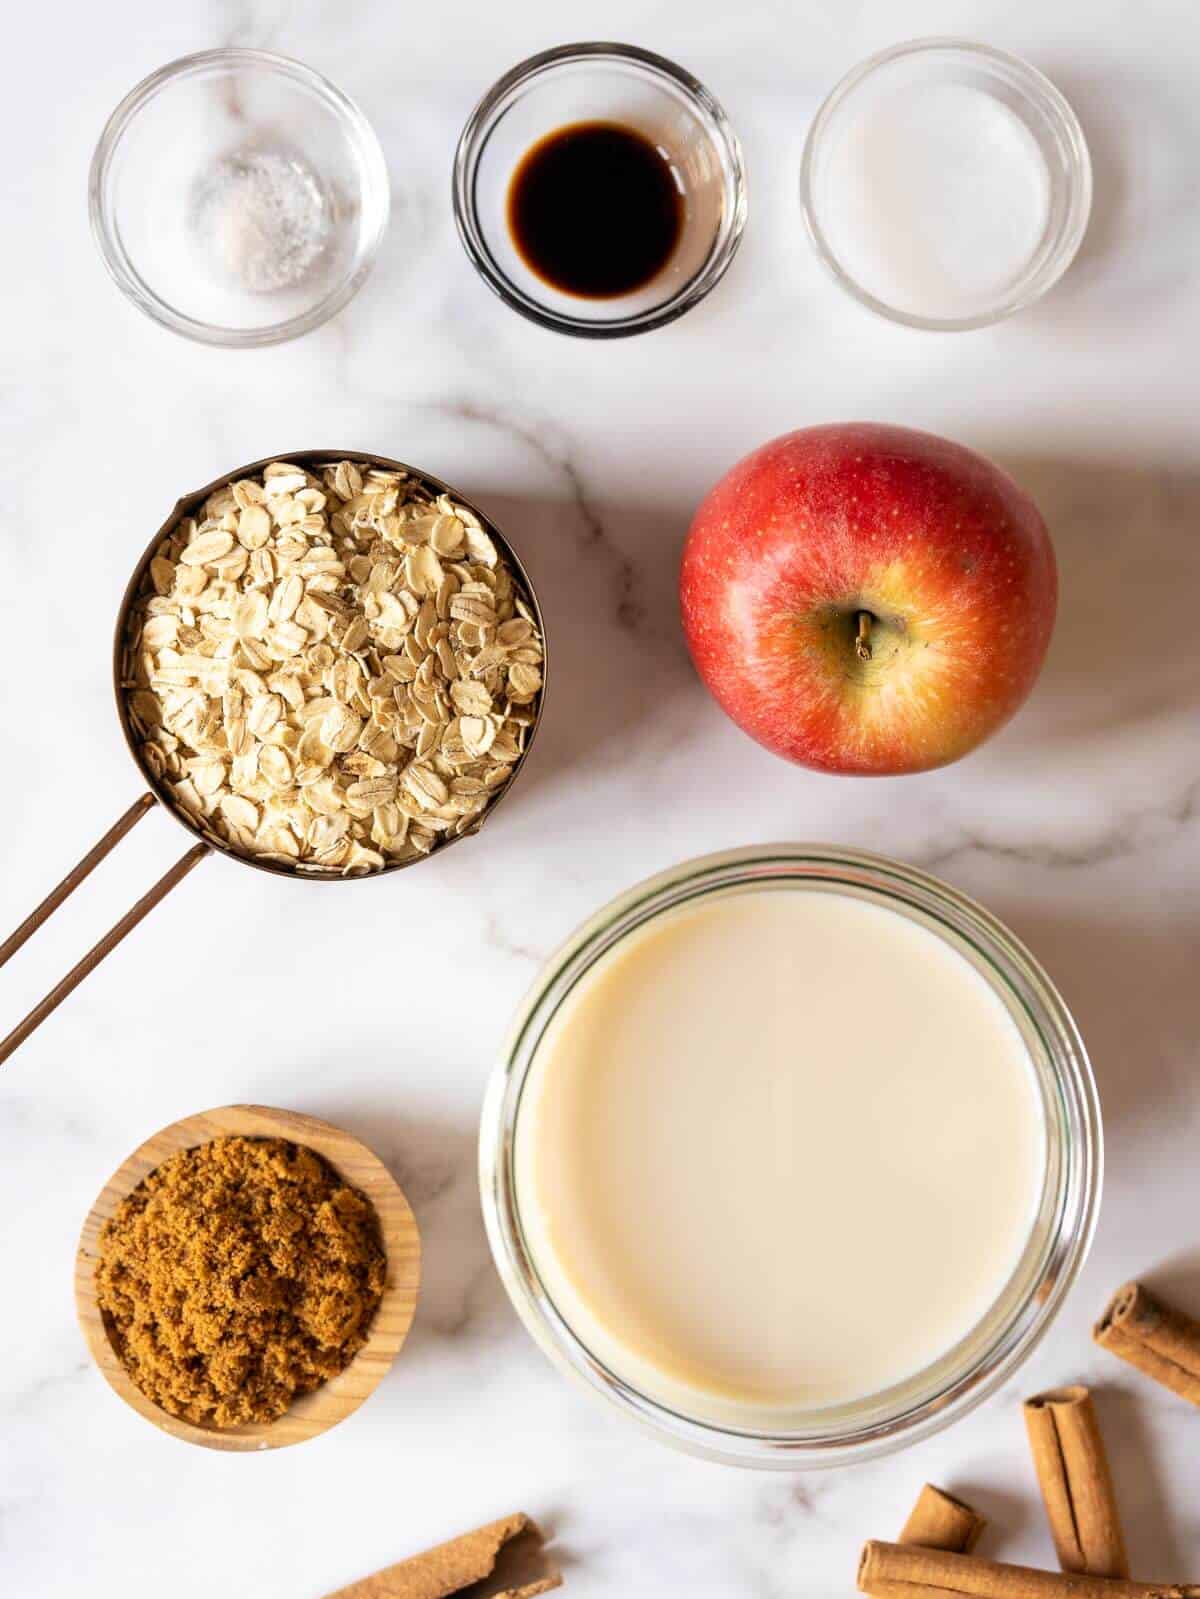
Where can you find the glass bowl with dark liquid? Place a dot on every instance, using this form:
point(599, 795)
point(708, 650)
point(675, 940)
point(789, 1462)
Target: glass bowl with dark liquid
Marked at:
point(599, 190)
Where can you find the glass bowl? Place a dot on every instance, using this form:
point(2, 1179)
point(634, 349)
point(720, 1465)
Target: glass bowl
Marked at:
point(1062, 1229)
point(602, 83)
point(862, 227)
point(238, 197)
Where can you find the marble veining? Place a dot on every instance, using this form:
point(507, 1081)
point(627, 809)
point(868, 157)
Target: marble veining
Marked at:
point(1124, 836)
point(383, 1006)
point(629, 611)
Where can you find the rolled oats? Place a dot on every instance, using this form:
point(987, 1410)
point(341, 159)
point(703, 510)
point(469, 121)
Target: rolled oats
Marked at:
point(332, 673)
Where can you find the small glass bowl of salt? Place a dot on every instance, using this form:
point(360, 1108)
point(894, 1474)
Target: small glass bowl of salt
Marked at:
point(945, 184)
point(238, 197)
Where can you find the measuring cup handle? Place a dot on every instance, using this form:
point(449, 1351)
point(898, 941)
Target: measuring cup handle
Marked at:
point(115, 933)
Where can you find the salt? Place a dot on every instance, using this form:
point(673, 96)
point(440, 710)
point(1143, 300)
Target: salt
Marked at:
point(935, 199)
point(261, 219)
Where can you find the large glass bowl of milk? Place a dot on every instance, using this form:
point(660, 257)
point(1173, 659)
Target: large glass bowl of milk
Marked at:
point(792, 1155)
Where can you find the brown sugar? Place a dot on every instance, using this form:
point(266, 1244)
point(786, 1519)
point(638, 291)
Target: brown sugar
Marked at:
point(238, 1276)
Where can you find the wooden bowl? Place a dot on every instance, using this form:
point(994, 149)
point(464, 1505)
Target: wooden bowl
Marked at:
point(324, 1407)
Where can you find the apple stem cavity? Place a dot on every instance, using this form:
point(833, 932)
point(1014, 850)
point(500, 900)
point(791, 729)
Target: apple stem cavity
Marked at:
point(862, 642)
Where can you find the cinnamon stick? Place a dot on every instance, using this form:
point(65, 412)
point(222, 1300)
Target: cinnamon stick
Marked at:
point(1162, 1342)
point(504, 1560)
point(940, 1521)
point(1072, 1471)
point(904, 1571)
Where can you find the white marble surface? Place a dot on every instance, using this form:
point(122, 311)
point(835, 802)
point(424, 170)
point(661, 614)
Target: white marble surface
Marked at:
point(1080, 824)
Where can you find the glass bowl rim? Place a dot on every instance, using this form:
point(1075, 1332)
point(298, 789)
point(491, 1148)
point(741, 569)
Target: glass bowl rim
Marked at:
point(371, 164)
point(1069, 1238)
point(473, 140)
point(1038, 86)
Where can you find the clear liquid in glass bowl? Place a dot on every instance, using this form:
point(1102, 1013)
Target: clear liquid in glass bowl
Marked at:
point(946, 184)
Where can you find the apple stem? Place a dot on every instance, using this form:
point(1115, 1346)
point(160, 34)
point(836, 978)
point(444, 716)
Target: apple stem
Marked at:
point(862, 643)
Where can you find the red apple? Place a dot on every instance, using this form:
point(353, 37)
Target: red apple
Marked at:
point(868, 599)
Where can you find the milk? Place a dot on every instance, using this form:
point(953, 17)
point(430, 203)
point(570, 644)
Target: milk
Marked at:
point(934, 197)
point(776, 1151)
